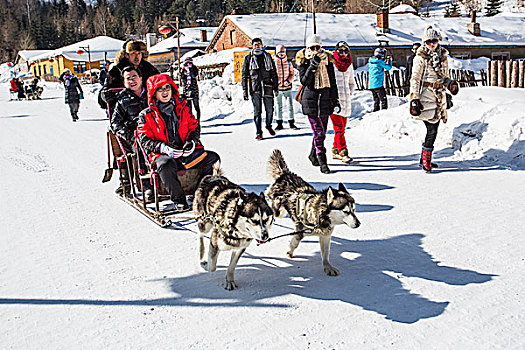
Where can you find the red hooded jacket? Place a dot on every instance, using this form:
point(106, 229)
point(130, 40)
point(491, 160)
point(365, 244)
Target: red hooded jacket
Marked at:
point(152, 129)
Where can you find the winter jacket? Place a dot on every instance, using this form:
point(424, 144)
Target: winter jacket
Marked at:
point(153, 128)
point(433, 98)
point(14, 85)
point(285, 73)
point(410, 65)
point(102, 76)
point(125, 117)
point(253, 79)
point(376, 72)
point(345, 88)
point(316, 102)
point(72, 88)
point(115, 71)
point(190, 82)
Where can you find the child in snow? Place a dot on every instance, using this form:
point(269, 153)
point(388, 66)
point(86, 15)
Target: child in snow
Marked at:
point(376, 72)
point(344, 75)
point(428, 101)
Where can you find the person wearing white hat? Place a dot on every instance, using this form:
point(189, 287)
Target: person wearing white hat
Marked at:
point(319, 96)
point(285, 74)
point(428, 100)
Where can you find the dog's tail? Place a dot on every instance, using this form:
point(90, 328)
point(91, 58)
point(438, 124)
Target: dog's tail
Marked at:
point(276, 165)
point(217, 170)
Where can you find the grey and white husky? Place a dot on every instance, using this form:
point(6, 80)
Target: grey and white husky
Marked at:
point(234, 217)
point(313, 212)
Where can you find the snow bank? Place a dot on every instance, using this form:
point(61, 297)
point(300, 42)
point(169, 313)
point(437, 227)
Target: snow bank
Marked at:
point(6, 72)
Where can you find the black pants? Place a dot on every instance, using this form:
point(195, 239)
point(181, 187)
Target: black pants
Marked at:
point(73, 108)
point(193, 103)
point(379, 98)
point(430, 138)
point(168, 168)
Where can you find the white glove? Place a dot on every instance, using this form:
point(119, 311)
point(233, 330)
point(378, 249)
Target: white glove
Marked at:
point(170, 152)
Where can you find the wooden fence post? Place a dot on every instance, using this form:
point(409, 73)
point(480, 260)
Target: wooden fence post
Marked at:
point(521, 73)
point(494, 79)
point(489, 72)
point(508, 72)
point(501, 73)
point(515, 77)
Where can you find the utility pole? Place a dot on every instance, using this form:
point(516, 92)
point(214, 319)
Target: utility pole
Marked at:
point(313, 16)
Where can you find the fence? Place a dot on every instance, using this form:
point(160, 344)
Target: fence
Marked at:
point(508, 74)
point(397, 85)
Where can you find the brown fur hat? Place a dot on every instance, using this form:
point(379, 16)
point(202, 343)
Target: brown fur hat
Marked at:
point(137, 46)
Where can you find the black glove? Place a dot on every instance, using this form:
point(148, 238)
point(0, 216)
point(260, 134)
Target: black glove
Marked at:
point(315, 61)
point(416, 107)
point(337, 107)
point(452, 86)
point(245, 96)
point(188, 145)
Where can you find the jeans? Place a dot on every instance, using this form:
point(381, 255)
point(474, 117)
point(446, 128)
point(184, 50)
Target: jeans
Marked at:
point(379, 97)
point(319, 125)
point(73, 108)
point(286, 95)
point(257, 101)
point(339, 123)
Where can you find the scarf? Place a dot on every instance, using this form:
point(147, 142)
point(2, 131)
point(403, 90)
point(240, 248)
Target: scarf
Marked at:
point(254, 65)
point(67, 79)
point(342, 63)
point(321, 80)
point(434, 57)
point(167, 111)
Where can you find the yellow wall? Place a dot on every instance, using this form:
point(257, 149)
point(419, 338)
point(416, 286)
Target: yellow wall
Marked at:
point(60, 63)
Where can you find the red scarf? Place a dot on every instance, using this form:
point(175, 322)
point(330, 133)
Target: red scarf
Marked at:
point(342, 63)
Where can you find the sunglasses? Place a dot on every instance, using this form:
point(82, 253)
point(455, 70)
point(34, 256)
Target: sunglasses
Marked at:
point(164, 88)
point(315, 48)
point(433, 41)
point(343, 50)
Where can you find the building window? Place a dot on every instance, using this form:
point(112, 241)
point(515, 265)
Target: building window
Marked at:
point(232, 34)
point(45, 69)
point(361, 61)
point(39, 70)
point(462, 55)
point(500, 56)
point(79, 67)
point(51, 69)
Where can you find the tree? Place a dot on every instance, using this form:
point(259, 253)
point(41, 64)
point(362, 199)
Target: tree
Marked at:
point(493, 7)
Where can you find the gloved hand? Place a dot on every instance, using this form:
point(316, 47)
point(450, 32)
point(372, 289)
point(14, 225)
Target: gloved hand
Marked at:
point(246, 97)
point(188, 148)
point(170, 152)
point(276, 93)
point(416, 107)
point(337, 107)
point(452, 86)
point(315, 61)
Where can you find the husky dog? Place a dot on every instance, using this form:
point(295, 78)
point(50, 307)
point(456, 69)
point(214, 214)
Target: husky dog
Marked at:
point(313, 212)
point(235, 218)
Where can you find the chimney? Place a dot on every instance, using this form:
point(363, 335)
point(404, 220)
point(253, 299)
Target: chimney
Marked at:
point(473, 27)
point(382, 20)
point(204, 35)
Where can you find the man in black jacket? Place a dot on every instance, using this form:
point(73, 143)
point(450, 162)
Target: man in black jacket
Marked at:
point(73, 92)
point(189, 81)
point(259, 80)
point(410, 63)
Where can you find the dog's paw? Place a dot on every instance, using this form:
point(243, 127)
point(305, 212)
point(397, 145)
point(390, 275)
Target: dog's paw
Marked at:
point(289, 254)
point(230, 285)
point(330, 270)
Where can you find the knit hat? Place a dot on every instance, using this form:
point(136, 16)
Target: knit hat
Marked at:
point(188, 59)
point(280, 48)
point(67, 71)
point(430, 34)
point(379, 52)
point(313, 40)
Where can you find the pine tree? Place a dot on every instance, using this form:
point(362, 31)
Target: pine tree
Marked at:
point(493, 7)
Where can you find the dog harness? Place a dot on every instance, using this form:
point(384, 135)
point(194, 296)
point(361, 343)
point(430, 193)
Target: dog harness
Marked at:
point(300, 209)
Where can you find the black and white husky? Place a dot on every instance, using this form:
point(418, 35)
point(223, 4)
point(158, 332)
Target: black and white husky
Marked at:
point(234, 217)
point(313, 212)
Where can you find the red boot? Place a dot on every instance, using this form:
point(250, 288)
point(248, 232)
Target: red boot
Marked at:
point(426, 157)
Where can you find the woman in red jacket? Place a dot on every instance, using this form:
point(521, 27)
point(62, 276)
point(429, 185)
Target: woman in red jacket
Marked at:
point(168, 132)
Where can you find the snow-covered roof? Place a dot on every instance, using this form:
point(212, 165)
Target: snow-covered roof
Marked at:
point(190, 37)
point(359, 30)
point(403, 8)
point(99, 47)
point(224, 56)
point(28, 54)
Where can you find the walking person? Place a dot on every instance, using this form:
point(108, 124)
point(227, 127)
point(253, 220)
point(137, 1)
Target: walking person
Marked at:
point(285, 75)
point(73, 92)
point(319, 97)
point(189, 80)
point(428, 101)
point(376, 72)
point(259, 80)
point(410, 62)
point(168, 132)
point(344, 76)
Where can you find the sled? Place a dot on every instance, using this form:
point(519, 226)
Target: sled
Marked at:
point(141, 171)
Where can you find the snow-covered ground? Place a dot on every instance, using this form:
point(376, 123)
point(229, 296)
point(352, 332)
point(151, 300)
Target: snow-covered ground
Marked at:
point(437, 263)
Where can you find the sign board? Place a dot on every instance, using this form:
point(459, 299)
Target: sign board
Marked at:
point(238, 60)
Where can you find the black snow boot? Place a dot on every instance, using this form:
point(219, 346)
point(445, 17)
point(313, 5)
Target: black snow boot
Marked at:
point(292, 125)
point(279, 125)
point(323, 163)
point(313, 157)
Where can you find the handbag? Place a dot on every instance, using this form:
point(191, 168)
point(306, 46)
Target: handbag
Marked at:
point(299, 95)
point(449, 100)
point(193, 159)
